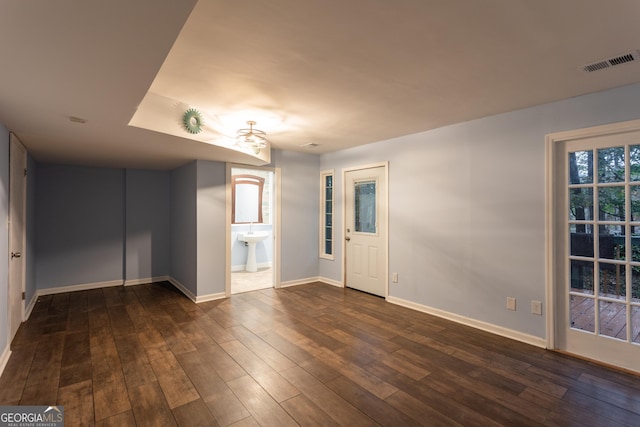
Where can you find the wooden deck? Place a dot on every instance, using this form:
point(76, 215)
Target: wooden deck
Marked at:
point(307, 355)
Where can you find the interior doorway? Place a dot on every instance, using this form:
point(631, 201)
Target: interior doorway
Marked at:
point(253, 229)
point(366, 224)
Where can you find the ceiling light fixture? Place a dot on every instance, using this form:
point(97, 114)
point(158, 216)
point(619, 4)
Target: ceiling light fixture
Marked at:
point(251, 138)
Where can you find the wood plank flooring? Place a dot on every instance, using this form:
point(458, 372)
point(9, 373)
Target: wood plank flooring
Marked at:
point(307, 355)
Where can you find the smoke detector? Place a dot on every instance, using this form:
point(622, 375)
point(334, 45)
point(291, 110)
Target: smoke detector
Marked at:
point(624, 58)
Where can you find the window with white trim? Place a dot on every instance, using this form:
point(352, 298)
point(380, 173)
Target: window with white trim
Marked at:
point(326, 214)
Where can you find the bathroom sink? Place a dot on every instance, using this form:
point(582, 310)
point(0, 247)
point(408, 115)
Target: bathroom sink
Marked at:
point(253, 237)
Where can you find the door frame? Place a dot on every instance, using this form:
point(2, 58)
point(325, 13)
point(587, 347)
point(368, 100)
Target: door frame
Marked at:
point(551, 177)
point(15, 142)
point(385, 223)
point(277, 186)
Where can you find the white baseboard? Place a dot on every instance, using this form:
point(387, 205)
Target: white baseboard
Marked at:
point(182, 288)
point(197, 299)
point(310, 280)
point(210, 297)
point(5, 357)
point(29, 308)
point(331, 282)
point(298, 282)
point(81, 287)
point(488, 327)
point(133, 282)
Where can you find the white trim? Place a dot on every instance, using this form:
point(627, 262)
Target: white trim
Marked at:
point(488, 327)
point(182, 288)
point(385, 165)
point(6, 354)
point(148, 280)
point(321, 223)
point(210, 297)
point(196, 299)
point(32, 304)
point(550, 161)
point(81, 287)
point(331, 282)
point(298, 282)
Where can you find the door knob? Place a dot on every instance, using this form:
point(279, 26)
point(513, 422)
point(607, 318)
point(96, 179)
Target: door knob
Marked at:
point(16, 255)
point(347, 238)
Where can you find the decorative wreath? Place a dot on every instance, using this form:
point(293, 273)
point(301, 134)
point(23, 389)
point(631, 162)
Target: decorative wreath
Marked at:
point(192, 121)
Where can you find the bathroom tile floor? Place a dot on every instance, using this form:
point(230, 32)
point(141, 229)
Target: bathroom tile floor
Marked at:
point(243, 281)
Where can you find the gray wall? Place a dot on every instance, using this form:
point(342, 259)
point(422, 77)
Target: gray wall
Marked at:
point(4, 236)
point(300, 193)
point(211, 223)
point(183, 226)
point(467, 206)
point(147, 224)
point(80, 225)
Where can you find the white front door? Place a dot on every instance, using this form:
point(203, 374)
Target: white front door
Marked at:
point(366, 229)
point(18, 164)
point(597, 242)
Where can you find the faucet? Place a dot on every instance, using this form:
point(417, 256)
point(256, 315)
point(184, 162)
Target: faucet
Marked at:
point(250, 227)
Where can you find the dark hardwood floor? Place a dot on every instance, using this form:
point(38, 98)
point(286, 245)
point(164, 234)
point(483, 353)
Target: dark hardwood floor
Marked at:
point(306, 355)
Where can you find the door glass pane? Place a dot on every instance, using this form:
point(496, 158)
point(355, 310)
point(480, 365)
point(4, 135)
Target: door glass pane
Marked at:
point(581, 239)
point(582, 314)
point(581, 167)
point(613, 281)
point(582, 277)
point(635, 203)
point(613, 319)
point(635, 244)
point(634, 163)
point(635, 284)
point(611, 164)
point(365, 206)
point(635, 322)
point(611, 203)
point(581, 204)
point(611, 241)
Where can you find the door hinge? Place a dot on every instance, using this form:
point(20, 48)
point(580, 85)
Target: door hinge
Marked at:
point(23, 296)
point(25, 171)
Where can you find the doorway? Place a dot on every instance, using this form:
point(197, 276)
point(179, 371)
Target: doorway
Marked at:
point(17, 236)
point(253, 219)
point(366, 224)
point(595, 253)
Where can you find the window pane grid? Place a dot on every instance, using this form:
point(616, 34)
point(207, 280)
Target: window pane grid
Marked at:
point(326, 216)
point(604, 242)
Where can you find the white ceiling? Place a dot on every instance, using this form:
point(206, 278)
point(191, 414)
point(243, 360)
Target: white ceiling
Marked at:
point(332, 72)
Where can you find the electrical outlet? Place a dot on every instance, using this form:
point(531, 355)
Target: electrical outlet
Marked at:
point(536, 307)
point(394, 277)
point(511, 303)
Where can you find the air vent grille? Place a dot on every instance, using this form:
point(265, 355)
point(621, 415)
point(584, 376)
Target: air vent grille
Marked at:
point(612, 62)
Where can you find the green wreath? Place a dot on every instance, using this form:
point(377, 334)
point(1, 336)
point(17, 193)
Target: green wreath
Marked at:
point(192, 121)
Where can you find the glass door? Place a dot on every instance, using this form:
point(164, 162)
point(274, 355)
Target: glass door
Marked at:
point(601, 312)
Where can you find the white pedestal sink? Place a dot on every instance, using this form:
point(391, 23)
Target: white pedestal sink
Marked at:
point(252, 238)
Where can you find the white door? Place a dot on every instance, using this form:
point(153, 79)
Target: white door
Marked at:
point(597, 243)
point(18, 164)
point(366, 229)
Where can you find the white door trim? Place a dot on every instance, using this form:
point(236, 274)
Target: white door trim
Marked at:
point(16, 144)
point(384, 165)
point(277, 263)
point(551, 141)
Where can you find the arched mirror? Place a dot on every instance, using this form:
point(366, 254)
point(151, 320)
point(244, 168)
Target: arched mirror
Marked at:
point(246, 199)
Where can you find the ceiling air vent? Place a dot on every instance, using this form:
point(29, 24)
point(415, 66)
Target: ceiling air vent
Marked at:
point(612, 62)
